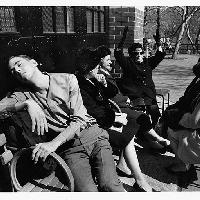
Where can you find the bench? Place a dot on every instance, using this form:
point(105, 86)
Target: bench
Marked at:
point(53, 175)
point(25, 176)
point(162, 92)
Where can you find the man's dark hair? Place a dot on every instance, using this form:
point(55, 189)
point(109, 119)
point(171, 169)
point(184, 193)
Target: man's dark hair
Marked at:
point(133, 47)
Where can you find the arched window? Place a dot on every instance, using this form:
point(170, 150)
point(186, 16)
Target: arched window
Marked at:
point(95, 19)
point(58, 19)
point(7, 19)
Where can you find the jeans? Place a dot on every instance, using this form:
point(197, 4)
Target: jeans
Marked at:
point(88, 159)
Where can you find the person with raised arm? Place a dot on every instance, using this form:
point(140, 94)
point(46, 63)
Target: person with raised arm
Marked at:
point(96, 92)
point(136, 81)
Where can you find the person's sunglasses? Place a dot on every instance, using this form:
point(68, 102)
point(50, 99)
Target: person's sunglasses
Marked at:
point(137, 53)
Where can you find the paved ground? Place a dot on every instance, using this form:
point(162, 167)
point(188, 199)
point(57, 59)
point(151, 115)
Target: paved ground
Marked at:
point(153, 167)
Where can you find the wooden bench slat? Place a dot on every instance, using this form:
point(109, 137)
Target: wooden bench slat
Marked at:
point(65, 188)
point(44, 182)
point(30, 186)
point(60, 185)
point(27, 188)
point(52, 184)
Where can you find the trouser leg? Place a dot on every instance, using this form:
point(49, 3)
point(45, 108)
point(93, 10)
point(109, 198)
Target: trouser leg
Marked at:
point(104, 167)
point(81, 170)
point(153, 111)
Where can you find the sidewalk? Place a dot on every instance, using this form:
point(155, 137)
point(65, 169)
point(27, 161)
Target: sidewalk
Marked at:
point(153, 167)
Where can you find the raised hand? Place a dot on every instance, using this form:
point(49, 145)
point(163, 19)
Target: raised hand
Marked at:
point(157, 39)
point(121, 43)
point(38, 117)
point(125, 31)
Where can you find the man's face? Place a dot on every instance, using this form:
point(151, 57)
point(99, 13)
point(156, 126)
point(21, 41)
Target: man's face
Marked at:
point(137, 55)
point(106, 62)
point(22, 68)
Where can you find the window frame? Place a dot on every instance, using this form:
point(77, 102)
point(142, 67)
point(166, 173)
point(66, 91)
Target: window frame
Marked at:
point(96, 10)
point(11, 18)
point(65, 18)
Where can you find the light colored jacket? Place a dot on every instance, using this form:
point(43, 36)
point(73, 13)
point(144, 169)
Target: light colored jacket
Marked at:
point(188, 139)
point(63, 106)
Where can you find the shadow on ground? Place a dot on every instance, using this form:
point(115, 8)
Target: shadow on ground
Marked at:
point(153, 166)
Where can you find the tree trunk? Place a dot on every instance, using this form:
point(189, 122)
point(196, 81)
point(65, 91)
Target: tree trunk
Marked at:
point(180, 35)
point(182, 29)
point(190, 39)
point(197, 40)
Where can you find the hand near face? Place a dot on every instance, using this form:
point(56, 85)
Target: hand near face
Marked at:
point(121, 118)
point(38, 117)
point(101, 78)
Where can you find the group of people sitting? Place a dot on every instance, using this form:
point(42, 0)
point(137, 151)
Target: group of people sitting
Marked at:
point(73, 115)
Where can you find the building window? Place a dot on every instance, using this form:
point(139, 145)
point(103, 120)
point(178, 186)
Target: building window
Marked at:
point(7, 19)
point(95, 19)
point(47, 19)
point(89, 21)
point(70, 19)
point(58, 19)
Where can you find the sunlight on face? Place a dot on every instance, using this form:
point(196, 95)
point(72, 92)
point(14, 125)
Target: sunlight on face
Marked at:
point(106, 62)
point(138, 55)
point(22, 68)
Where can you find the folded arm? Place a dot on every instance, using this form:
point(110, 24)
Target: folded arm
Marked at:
point(10, 105)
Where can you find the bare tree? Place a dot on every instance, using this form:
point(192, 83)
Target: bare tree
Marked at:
point(197, 40)
point(185, 19)
point(190, 38)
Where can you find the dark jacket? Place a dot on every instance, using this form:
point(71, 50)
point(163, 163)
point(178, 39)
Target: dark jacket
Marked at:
point(119, 98)
point(187, 102)
point(137, 79)
point(95, 98)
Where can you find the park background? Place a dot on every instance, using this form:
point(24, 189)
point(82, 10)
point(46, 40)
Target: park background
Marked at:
point(54, 33)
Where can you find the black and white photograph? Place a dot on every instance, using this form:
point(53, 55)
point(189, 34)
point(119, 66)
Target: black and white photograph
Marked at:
point(99, 98)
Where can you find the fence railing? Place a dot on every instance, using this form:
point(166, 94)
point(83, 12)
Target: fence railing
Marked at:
point(189, 49)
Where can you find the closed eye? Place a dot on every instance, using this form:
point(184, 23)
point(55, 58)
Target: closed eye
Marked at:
point(17, 63)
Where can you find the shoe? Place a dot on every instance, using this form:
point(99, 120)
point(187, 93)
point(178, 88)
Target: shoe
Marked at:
point(138, 188)
point(123, 174)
